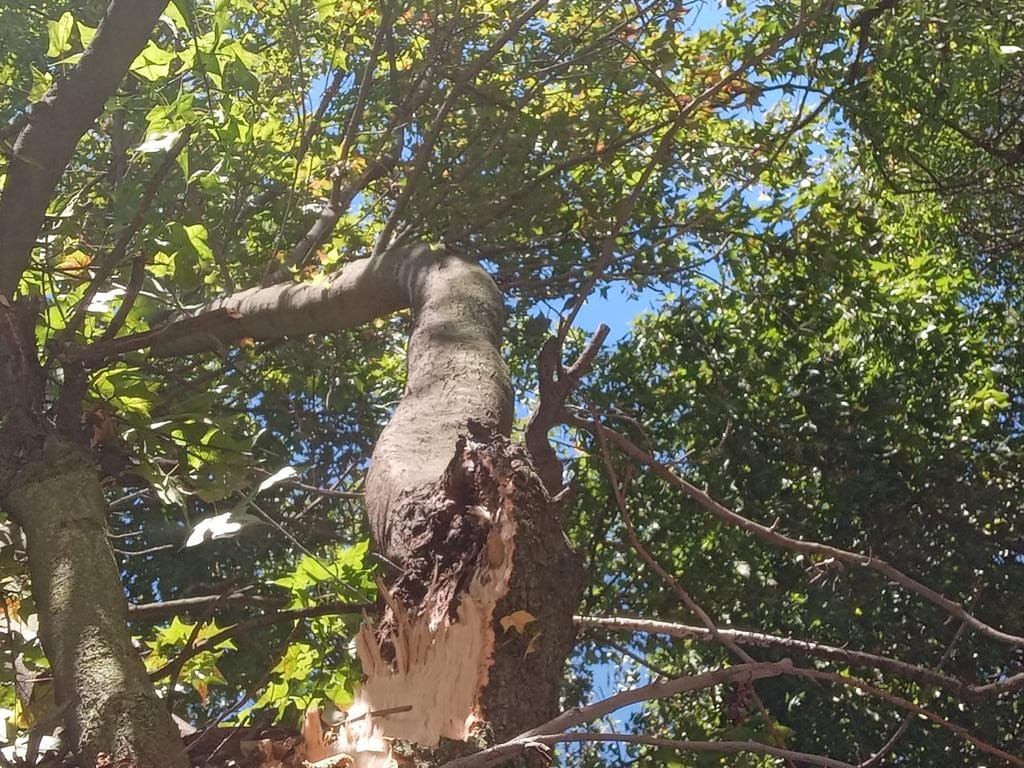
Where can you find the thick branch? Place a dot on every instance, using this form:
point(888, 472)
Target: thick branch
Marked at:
point(741, 674)
point(44, 148)
point(358, 293)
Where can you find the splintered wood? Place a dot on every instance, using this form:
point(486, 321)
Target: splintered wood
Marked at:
point(431, 688)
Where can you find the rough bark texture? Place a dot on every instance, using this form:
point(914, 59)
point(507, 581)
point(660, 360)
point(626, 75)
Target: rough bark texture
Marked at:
point(50, 487)
point(430, 499)
point(111, 704)
point(456, 376)
point(466, 522)
point(547, 582)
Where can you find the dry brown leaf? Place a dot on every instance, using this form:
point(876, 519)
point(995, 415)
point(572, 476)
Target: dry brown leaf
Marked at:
point(517, 620)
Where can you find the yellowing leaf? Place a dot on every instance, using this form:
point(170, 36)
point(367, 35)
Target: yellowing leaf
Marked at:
point(74, 261)
point(517, 620)
point(60, 34)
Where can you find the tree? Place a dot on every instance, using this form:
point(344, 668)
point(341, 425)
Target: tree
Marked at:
point(193, 191)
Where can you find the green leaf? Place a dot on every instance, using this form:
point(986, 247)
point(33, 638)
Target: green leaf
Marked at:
point(59, 34)
point(153, 63)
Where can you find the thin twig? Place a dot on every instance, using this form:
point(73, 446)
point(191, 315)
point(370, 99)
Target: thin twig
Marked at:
point(116, 254)
point(426, 147)
point(773, 537)
point(266, 619)
point(165, 608)
point(919, 674)
point(131, 293)
point(625, 208)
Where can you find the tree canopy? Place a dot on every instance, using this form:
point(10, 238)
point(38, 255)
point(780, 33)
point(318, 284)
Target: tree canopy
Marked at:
point(806, 447)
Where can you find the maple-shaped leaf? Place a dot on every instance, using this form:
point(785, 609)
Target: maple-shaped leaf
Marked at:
point(517, 620)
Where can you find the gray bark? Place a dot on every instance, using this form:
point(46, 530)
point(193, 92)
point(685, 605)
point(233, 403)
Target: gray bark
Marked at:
point(424, 479)
point(110, 703)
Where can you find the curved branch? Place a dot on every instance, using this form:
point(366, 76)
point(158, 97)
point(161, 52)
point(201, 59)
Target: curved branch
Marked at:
point(359, 292)
point(904, 669)
point(741, 673)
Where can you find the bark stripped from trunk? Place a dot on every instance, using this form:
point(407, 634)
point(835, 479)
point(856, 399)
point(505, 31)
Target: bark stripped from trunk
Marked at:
point(456, 509)
point(468, 525)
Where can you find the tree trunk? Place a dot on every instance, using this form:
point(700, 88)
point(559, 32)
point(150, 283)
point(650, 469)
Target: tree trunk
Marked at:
point(50, 487)
point(451, 501)
point(474, 539)
point(455, 509)
point(110, 703)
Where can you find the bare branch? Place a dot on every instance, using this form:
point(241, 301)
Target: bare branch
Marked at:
point(684, 596)
point(723, 747)
point(742, 673)
point(773, 537)
point(165, 608)
point(900, 702)
point(915, 672)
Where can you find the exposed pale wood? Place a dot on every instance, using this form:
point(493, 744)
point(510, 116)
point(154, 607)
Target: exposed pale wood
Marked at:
point(432, 687)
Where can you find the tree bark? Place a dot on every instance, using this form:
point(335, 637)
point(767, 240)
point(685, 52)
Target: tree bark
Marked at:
point(443, 479)
point(56, 123)
point(456, 509)
point(50, 487)
point(98, 675)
